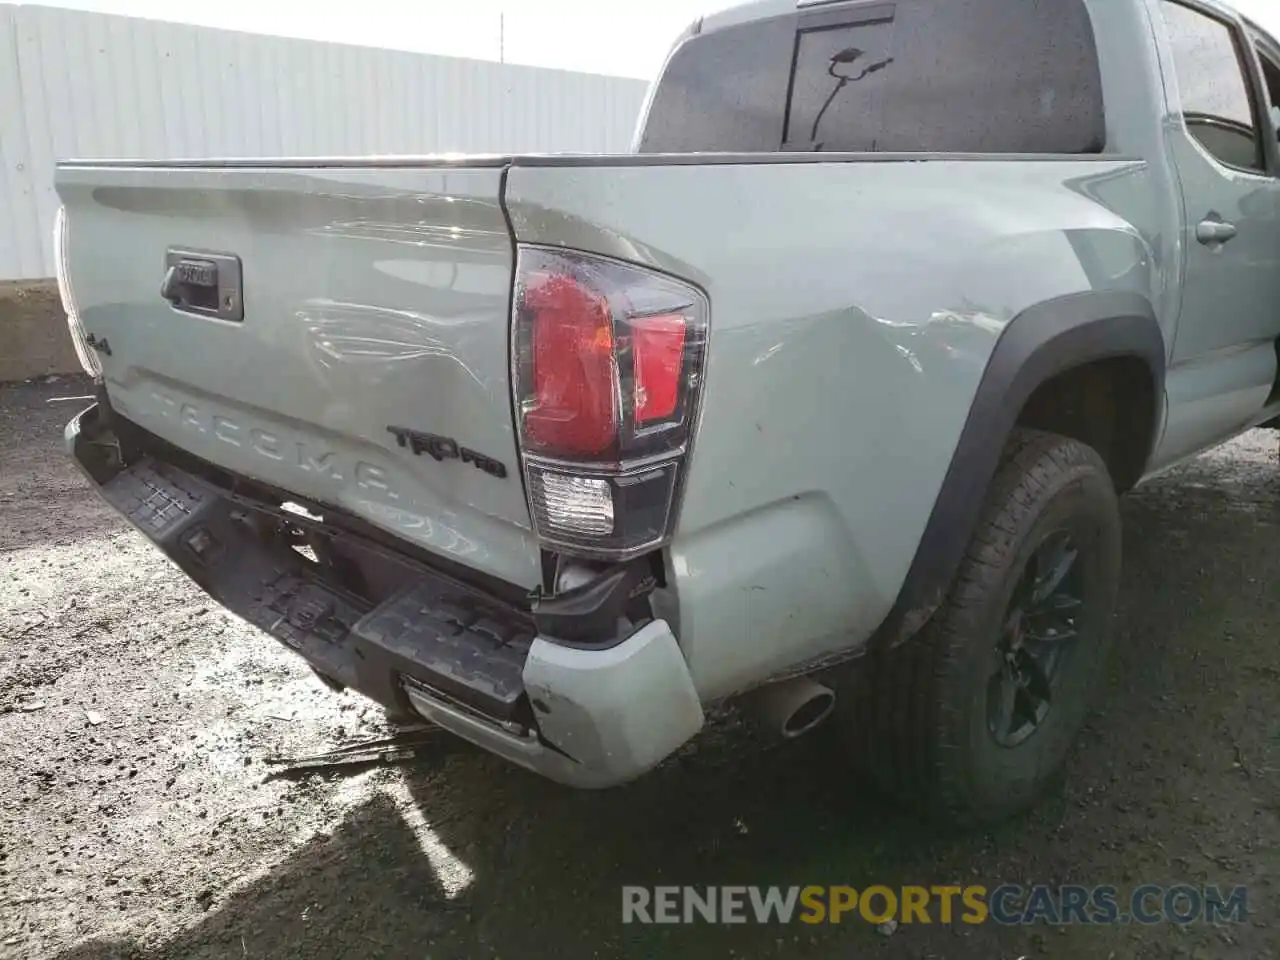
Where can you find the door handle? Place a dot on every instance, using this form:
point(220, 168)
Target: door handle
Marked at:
point(1210, 232)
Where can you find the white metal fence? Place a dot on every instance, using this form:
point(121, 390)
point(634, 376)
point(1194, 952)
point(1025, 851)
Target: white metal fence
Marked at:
point(76, 84)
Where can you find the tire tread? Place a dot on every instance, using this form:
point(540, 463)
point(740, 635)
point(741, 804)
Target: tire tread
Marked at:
point(900, 729)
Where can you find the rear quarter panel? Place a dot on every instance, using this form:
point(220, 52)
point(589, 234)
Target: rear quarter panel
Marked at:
point(854, 307)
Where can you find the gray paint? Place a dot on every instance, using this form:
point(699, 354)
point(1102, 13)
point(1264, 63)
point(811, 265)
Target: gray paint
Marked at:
point(611, 716)
point(856, 302)
point(804, 504)
point(1223, 359)
point(371, 298)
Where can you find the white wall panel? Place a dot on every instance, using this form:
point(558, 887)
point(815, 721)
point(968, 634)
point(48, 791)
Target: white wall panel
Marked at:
point(22, 252)
point(86, 85)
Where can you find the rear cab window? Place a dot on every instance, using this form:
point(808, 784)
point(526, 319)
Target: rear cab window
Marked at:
point(954, 76)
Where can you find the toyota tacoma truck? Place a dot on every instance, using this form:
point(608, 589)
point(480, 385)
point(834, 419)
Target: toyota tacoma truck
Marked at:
point(818, 401)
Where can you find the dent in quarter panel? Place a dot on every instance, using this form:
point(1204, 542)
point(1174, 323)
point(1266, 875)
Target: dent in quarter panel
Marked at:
point(854, 307)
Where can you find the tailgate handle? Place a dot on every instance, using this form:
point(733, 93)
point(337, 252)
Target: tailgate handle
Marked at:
point(169, 289)
point(204, 283)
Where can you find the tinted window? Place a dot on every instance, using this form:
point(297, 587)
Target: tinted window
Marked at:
point(1271, 80)
point(837, 86)
point(1270, 75)
point(1216, 104)
point(986, 76)
point(723, 92)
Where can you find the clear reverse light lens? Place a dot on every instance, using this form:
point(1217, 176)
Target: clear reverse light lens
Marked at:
point(573, 506)
point(607, 515)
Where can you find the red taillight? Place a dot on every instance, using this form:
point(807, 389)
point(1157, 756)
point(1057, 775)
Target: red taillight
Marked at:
point(607, 363)
point(658, 346)
point(573, 407)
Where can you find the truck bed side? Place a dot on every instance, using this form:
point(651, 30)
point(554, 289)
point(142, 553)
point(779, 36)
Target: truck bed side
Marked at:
point(855, 307)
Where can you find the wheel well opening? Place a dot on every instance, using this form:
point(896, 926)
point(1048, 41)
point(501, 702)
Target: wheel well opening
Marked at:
point(1108, 404)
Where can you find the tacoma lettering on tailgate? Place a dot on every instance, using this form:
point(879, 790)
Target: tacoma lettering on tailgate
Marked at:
point(273, 445)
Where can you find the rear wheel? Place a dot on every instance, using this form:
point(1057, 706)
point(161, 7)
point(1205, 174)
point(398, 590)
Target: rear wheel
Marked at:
point(972, 717)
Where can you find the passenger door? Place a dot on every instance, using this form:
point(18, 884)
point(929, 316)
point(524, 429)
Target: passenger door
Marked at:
point(1224, 358)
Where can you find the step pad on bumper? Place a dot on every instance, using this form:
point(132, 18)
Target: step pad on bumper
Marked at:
point(436, 632)
point(205, 535)
point(476, 652)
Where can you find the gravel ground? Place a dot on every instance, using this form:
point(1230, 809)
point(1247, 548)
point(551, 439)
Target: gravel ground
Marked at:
point(137, 818)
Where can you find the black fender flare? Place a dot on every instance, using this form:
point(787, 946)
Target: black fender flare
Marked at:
point(1041, 342)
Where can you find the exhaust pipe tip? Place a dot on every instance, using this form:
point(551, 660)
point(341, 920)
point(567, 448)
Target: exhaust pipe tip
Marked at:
point(809, 714)
point(791, 708)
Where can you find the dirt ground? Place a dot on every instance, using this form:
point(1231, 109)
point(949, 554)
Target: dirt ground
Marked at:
point(33, 331)
point(137, 818)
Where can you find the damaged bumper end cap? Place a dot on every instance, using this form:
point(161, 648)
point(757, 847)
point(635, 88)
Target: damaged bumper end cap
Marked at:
point(606, 716)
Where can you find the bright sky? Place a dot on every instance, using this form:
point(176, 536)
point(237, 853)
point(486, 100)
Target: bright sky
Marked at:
point(623, 37)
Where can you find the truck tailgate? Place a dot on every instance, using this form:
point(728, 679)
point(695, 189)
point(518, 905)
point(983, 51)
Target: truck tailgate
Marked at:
point(370, 367)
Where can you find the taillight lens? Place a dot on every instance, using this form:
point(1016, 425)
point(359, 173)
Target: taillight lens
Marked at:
point(608, 362)
point(87, 356)
point(573, 409)
point(657, 344)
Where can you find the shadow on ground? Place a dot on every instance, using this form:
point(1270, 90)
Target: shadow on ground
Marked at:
point(1173, 782)
point(547, 865)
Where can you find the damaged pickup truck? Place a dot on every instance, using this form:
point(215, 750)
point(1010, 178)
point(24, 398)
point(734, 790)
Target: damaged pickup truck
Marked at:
point(819, 401)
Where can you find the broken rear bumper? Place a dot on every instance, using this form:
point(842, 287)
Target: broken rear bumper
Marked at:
point(584, 715)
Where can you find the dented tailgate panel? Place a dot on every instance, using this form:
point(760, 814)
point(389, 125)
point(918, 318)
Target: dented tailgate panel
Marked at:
point(370, 368)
